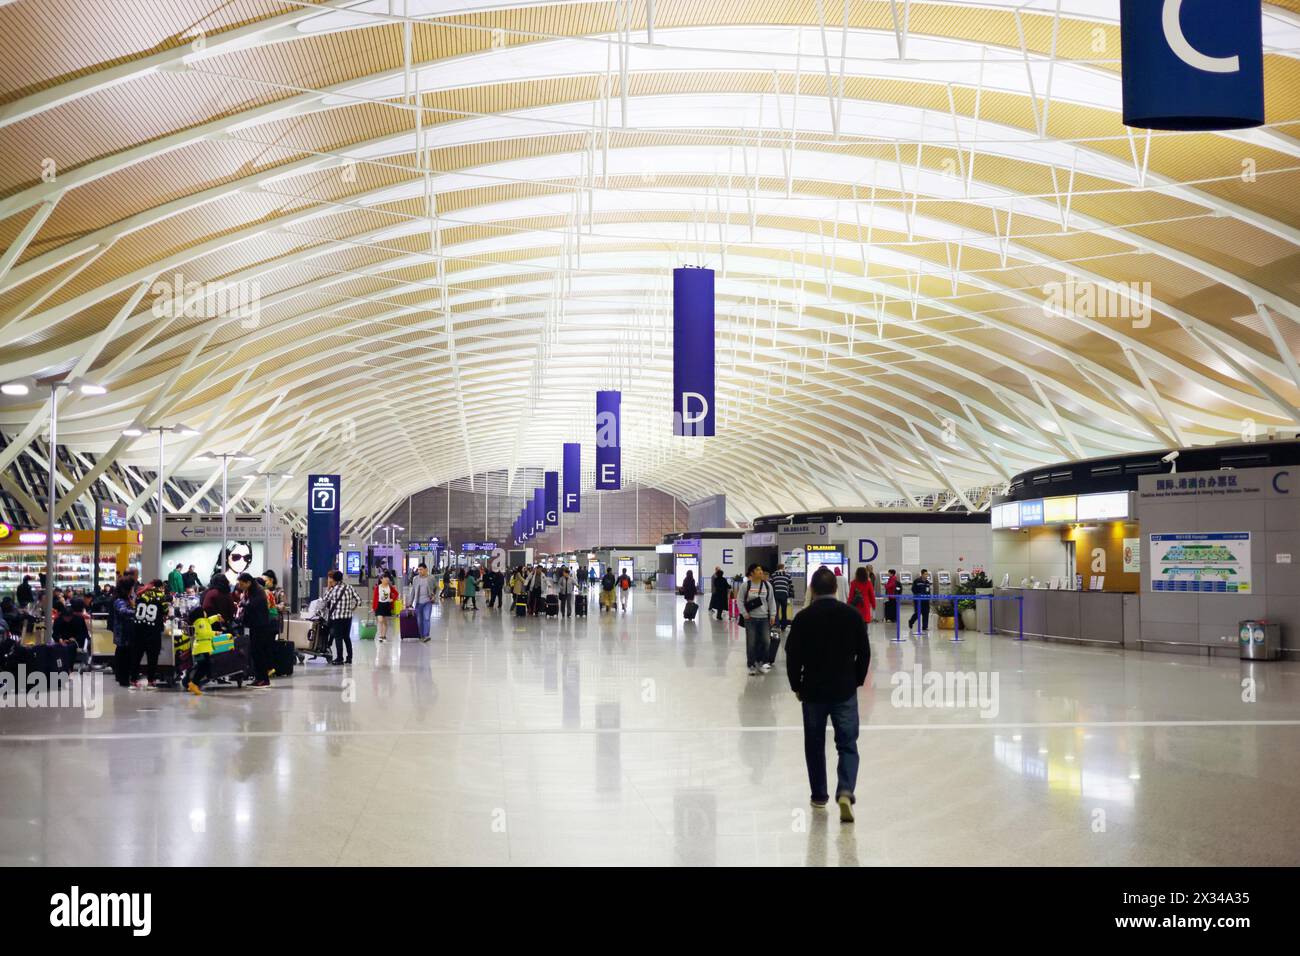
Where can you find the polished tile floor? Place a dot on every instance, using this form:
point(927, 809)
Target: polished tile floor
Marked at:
point(639, 739)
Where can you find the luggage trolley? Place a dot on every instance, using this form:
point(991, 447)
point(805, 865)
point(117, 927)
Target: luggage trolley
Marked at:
point(229, 667)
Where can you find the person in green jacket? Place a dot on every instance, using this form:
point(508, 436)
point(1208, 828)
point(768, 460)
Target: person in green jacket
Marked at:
point(176, 580)
point(471, 589)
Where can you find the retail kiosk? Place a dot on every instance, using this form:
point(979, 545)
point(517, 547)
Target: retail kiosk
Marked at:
point(22, 553)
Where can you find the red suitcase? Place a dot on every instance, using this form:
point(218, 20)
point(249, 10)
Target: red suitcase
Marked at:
point(410, 625)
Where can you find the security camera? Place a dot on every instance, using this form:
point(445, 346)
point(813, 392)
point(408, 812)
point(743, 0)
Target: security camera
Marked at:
point(1171, 459)
point(1172, 456)
point(839, 521)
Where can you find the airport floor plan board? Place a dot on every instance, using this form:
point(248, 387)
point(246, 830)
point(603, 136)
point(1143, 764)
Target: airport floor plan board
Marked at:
point(1213, 561)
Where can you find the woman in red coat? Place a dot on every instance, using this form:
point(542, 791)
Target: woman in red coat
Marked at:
point(862, 596)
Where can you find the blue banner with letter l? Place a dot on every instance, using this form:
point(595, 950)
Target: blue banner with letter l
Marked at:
point(693, 350)
point(1192, 64)
point(609, 457)
point(572, 478)
point(528, 520)
point(551, 496)
point(539, 509)
point(323, 510)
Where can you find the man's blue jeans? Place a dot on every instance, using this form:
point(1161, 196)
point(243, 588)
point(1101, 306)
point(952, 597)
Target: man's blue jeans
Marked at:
point(424, 614)
point(844, 719)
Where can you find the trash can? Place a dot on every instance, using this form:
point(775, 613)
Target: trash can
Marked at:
point(1260, 640)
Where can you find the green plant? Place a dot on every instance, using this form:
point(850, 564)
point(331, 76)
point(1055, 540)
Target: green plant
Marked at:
point(975, 582)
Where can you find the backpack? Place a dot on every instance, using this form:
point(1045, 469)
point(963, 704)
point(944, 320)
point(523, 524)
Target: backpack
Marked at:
point(856, 598)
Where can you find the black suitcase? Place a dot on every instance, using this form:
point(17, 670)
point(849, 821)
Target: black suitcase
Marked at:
point(233, 665)
point(691, 610)
point(552, 605)
point(521, 607)
point(283, 656)
point(53, 658)
point(580, 605)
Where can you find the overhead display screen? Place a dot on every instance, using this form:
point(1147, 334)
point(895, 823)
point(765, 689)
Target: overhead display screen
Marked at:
point(1105, 507)
point(1059, 509)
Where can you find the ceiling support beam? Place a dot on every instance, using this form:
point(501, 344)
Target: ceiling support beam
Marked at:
point(1155, 398)
point(24, 238)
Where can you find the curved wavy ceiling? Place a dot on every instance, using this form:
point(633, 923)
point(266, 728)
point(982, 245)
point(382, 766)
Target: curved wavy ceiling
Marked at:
point(460, 219)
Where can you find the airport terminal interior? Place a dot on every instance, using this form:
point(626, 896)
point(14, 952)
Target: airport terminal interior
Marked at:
point(649, 433)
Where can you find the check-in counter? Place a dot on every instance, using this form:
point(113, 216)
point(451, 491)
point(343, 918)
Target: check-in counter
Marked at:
point(1092, 617)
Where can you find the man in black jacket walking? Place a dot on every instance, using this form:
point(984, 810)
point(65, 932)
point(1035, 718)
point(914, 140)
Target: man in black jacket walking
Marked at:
point(921, 586)
point(827, 656)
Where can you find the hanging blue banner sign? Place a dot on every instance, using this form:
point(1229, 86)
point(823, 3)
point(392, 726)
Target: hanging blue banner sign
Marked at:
point(1192, 64)
point(551, 487)
point(609, 453)
point(539, 510)
point(528, 520)
point(693, 365)
point(572, 503)
point(323, 511)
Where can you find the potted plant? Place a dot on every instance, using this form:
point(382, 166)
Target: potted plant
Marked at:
point(945, 612)
point(982, 614)
point(966, 607)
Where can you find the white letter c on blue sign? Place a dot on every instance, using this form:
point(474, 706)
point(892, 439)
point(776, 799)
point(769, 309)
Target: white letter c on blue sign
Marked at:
point(1174, 36)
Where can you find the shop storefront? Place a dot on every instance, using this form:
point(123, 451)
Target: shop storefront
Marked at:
point(22, 553)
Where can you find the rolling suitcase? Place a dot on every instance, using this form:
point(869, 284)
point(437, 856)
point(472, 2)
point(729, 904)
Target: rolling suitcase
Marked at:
point(233, 664)
point(552, 605)
point(410, 626)
point(366, 631)
point(53, 658)
point(521, 606)
point(691, 610)
point(283, 656)
point(580, 605)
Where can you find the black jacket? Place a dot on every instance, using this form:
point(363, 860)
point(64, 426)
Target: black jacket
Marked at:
point(920, 586)
point(827, 653)
point(257, 614)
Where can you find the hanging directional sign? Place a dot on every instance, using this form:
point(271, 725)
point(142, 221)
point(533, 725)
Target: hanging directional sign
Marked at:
point(609, 454)
point(539, 510)
point(693, 352)
point(1192, 64)
point(551, 497)
point(572, 503)
point(323, 510)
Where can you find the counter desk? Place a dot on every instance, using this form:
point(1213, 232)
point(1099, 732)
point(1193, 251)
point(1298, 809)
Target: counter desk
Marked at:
point(1092, 617)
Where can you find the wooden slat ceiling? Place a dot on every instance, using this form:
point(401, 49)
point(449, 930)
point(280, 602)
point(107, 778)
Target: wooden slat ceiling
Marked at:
point(866, 281)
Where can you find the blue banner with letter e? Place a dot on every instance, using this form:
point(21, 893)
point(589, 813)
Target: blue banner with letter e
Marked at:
point(609, 453)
